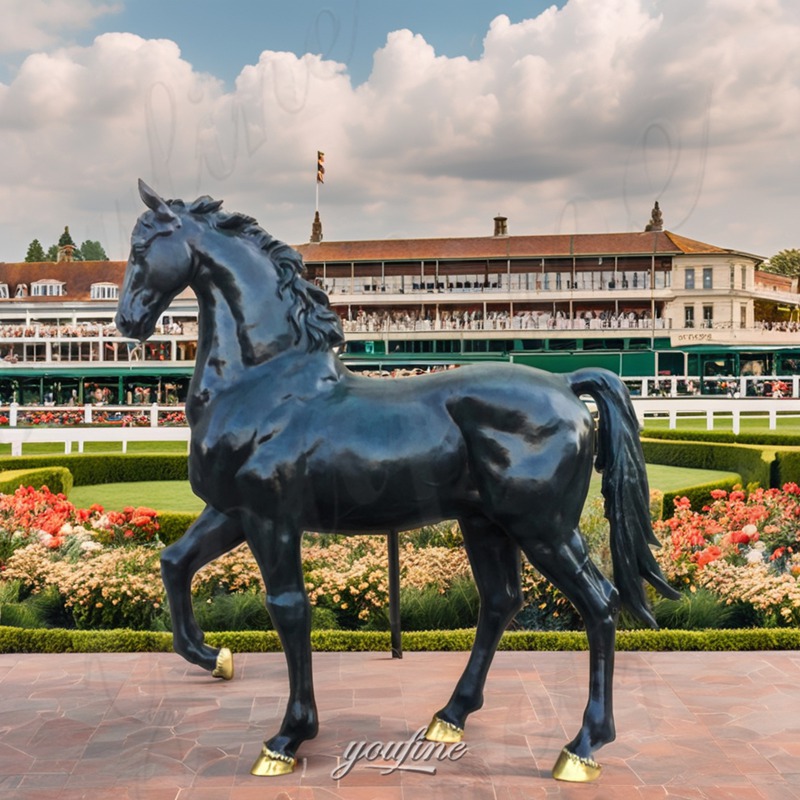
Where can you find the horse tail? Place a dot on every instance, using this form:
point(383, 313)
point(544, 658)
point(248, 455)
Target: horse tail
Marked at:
point(620, 459)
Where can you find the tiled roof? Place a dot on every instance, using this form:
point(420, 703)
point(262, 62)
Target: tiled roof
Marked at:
point(80, 275)
point(77, 275)
point(547, 246)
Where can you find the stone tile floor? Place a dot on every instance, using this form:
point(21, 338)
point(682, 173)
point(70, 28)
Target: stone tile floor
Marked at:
point(721, 726)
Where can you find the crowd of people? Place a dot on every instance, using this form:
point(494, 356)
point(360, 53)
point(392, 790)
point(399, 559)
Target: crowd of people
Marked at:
point(475, 320)
point(81, 330)
point(39, 331)
point(784, 326)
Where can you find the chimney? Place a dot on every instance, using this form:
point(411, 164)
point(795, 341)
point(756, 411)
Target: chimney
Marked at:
point(316, 229)
point(500, 226)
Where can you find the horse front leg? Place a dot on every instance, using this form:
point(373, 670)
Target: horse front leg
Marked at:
point(277, 551)
point(495, 562)
point(212, 535)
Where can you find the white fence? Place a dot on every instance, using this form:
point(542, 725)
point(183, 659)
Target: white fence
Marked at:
point(70, 435)
point(714, 409)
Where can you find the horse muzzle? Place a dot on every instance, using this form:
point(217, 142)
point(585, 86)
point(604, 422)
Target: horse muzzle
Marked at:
point(133, 326)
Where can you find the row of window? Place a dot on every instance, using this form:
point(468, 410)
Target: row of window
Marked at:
point(689, 277)
point(708, 316)
point(50, 288)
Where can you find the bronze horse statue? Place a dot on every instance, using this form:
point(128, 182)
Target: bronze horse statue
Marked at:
point(286, 439)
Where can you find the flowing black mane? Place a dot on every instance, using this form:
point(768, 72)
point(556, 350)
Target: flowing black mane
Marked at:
point(310, 311)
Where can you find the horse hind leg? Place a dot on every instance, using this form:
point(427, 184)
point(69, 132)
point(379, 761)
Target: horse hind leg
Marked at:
point(211, 535)
point(495, 562)
point(566, 564)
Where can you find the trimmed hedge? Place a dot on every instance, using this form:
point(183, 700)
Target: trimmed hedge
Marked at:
point(89, 469)
point(57, 479)
point(173, 524)
point(787, 467)
point(23, 640)
point(699, 495)
point(754, 464)
point(725, 437)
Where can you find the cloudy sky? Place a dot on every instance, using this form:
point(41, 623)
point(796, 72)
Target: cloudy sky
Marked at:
point(434, 116)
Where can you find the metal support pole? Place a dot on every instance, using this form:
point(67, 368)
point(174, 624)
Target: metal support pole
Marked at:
point(393, 543)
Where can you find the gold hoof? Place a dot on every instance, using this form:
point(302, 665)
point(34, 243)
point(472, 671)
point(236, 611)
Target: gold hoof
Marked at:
point(270, 763)
point(224, 668)
point(441, 731)
point(575, 769)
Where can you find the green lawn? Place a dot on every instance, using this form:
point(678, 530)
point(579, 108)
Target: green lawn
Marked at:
point(177, 496)
point(786, 424)
point(48, 448)
point(161, 495)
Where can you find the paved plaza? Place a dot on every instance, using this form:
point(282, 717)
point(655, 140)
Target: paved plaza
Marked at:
point(151, 727)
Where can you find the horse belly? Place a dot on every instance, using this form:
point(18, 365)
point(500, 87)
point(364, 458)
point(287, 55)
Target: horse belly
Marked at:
point(388, 485)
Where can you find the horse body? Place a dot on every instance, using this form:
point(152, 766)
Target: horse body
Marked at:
point(285, 439)
point(369, 454)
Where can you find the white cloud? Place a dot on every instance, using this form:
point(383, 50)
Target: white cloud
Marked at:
point(578, 119)
point(30, 25)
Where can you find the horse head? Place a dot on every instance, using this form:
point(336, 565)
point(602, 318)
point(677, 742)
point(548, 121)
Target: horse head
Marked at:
point(160, 264)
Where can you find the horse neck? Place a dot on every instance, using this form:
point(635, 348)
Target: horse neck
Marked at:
point(243, 322)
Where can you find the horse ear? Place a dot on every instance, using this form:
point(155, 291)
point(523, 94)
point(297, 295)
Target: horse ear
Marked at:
point(155, 203)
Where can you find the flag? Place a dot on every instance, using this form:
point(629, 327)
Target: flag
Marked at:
point(320, 167)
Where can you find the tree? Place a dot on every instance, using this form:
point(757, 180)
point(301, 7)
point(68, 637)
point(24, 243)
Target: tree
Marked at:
point(92, 251)
point(35, 252)
point(52, 253)
point(787, 262)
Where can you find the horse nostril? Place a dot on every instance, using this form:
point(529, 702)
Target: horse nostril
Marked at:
point(122, 323)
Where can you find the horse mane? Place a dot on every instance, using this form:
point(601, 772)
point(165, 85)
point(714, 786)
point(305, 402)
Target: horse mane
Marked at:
point(310, 310)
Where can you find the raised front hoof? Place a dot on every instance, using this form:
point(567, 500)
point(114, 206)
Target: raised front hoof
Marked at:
point(441, 731)
point(575, 769)
point(224, 668)
point(270, 763)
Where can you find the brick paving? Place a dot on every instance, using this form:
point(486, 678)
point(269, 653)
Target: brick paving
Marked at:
point(721, 726)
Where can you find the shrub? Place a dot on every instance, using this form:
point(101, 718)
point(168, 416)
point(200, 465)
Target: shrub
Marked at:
point(57, 479)
point(745, 549)
point(787, 468)
point(109, 589)
point(17, 640)
point(430, 609)
point(694, 611)
point(772, 439)
point(243, 611)
point(349, 576)
point(701, 494)
point(754, 464)
point(89, 469)
point(173, 525)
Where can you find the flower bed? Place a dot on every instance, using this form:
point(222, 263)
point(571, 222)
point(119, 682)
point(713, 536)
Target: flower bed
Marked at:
point(97, 569)
point(742, 548)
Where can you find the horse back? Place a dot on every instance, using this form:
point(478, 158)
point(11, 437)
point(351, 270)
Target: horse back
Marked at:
point(365, 454)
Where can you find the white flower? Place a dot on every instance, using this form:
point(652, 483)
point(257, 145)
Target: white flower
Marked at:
point(750, 529)
point(65, 529)
point(755, 555)
point(91, 546)
point(44, 537)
